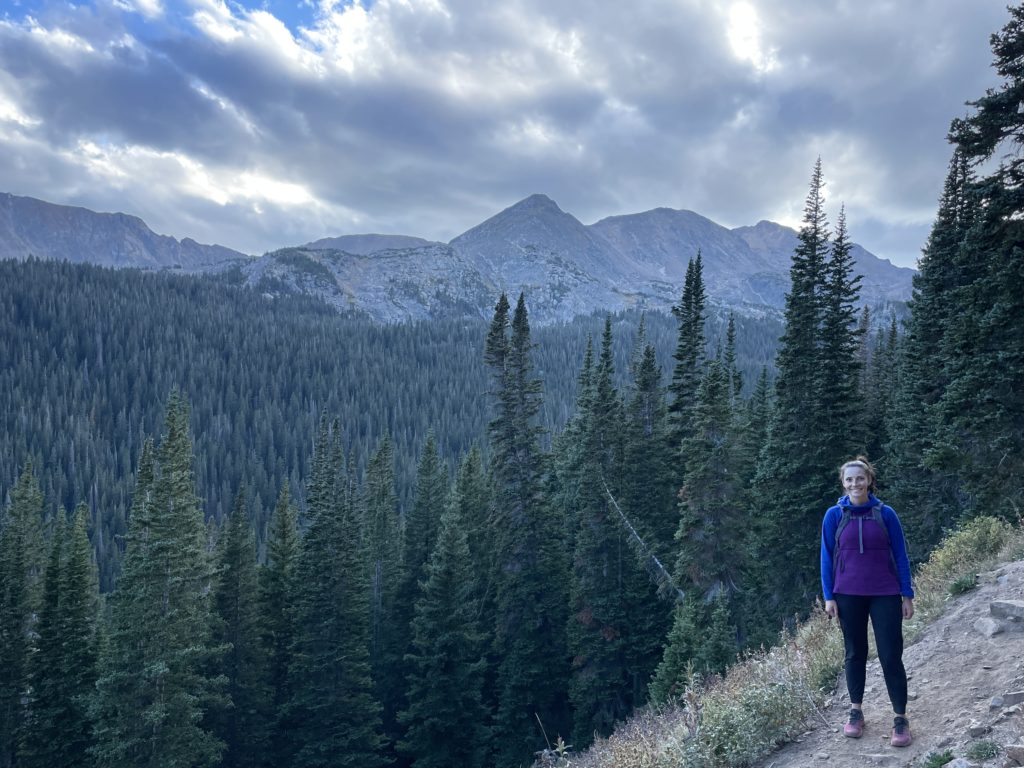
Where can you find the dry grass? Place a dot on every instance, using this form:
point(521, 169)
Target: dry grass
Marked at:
point(770, 697)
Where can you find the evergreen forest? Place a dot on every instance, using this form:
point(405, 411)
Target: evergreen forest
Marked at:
point(239, 531)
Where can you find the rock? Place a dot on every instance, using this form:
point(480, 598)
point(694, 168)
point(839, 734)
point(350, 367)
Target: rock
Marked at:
point(996, 702)
point(988, 626)
point(961, 762)
point(912, 695)
point(1007, 609)
point(1014, 753)
point(1014, 697)
point(822, 756)
point(989, 577)
point(976, 729)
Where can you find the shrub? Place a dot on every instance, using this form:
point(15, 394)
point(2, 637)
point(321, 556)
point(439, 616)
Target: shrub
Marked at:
point(963, 584)
point(937, 759)
point(982, 750)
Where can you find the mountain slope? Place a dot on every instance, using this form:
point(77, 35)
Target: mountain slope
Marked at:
point(565, 268)
point(30, 227)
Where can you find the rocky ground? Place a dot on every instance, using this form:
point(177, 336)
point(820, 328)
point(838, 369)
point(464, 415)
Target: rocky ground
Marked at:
point(966, 687)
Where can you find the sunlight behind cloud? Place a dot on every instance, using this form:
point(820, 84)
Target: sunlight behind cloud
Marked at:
point(744, 33)
point(224, 186)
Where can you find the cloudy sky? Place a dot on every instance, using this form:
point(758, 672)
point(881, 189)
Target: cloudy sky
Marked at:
point(263, 124)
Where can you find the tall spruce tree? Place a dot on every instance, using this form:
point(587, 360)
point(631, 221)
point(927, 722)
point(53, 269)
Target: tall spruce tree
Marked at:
point(446, 718)
point(689, 357)
point(244, 725)
point(711, 538)
point(839, 403)
point(22, 561)
point(924, 486)
point(154, 683)
point(982, 412)
point(277, 589)
point(648, 497)
point(600, 688)
point(333, 717)
point(530, 620)
point(795, 479)
point(382, 536)
point(62, 669)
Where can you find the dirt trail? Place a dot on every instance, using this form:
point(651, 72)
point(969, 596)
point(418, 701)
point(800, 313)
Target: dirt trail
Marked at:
point(963, 669)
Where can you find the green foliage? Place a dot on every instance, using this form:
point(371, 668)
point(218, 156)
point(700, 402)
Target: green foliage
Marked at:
point(963, 584)
point(154, 684)
point(80, 386)
point(244, 725)
point(446, 717)
point(22, 558)
point(982, 750)
point(277, 588)
point(529, 633)
point(332, 717)
point(62, 668)
point(937, 759)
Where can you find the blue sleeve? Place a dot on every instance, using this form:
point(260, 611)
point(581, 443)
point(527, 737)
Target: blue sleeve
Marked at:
point(899, 550)
point(828, 541)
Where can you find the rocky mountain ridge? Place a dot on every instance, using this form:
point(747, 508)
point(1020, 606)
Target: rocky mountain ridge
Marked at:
point(565, 267)
point(31, 227)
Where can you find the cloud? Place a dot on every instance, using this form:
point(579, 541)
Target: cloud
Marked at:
point(232, 124)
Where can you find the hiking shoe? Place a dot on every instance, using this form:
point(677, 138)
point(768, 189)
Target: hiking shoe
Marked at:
point(900, 732)
point(854, 727)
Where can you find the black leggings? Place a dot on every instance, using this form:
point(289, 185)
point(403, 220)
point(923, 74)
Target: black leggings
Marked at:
point(886, 614)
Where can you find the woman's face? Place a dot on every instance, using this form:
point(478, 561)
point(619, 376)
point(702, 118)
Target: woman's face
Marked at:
point(856, 483)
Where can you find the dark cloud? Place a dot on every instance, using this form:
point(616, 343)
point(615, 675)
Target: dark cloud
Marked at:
point(424, 117)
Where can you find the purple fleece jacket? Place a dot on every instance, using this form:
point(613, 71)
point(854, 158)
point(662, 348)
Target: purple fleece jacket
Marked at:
point(864, 564)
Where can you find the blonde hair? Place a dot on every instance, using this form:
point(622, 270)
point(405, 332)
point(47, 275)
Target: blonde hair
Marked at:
point(863, 463)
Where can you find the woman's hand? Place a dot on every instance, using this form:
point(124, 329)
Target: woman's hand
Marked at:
point(833, 610)
point(908, 607)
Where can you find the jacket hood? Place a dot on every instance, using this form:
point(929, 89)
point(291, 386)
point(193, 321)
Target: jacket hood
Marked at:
point(844, 503)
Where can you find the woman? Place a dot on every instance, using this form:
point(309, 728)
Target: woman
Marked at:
point(865, 573)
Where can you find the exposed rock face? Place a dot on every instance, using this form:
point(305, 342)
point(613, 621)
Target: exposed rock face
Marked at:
point(364, 245)
point(30, 227)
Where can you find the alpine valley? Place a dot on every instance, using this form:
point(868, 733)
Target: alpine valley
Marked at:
point(565, 268)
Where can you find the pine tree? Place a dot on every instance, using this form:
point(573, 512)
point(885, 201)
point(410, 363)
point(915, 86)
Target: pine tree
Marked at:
point(472, 498)
point(277, 588)
point(333, 717)
point(923, 488)
point(243, 726)
point(62, 670)
point(154, 685)
point(529, 638)
point(419, 537)
point(445, 717)
point(838, 388)
point(674, 672)
point(600, 687)
point(711, 534)
point(382, 535)
point(648, 498)
point(795, 479)
point(981, 411)
point(22, 560)
point(689, 355)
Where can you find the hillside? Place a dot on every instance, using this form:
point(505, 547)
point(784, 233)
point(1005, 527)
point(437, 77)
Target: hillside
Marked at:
point(966, 675)
point(965, 663)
